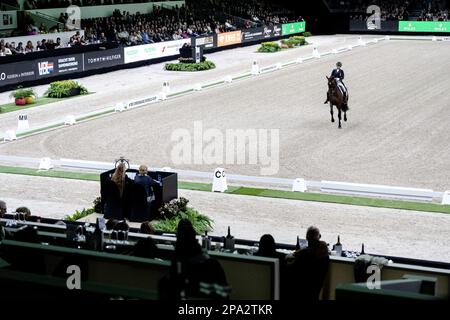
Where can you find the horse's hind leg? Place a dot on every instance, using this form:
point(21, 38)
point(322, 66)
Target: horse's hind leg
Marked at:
point(331, 112)
point(345, 115)
point(339, 116)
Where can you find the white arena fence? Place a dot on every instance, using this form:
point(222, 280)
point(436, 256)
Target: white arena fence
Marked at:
point(372, 190)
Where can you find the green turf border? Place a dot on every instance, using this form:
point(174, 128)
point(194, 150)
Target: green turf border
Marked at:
point(257, 192)
point(11, 107)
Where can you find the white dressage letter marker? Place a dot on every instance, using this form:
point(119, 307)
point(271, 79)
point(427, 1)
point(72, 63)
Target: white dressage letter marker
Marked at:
point(361, 42)
point(198, 87)
point(228, 79)
point(166, 87)
point(22, 123)
point(255, 68)
point(316, 53)
point(45, 164)
point(219, 180)
point(299, 185)
point(299, 60)
point(446, 197)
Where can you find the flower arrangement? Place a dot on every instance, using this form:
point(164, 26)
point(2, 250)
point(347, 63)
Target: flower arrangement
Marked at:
point(23, 96)
point(171, 214)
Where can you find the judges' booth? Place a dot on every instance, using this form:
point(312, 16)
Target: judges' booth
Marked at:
point(134, 205)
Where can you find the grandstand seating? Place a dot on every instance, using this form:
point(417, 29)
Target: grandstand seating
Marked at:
point(250, 277)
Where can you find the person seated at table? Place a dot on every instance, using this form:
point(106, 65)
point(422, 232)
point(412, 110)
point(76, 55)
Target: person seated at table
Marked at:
point(190, 263)
point(143, 179)
point(309, 268)
point(24, 213)
point(111, 223)
point(147, 228)
point(145, 248)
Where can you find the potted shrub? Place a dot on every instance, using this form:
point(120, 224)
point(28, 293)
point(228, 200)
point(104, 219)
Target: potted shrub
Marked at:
point(65, 88)
point(23, 96)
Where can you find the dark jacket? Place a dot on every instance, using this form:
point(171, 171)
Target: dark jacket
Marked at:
point(147, 182)
point(116, 206)
point(338, 73)
point(308, 271)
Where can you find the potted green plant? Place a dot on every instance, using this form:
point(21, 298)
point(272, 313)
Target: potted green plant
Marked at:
point(23, 96)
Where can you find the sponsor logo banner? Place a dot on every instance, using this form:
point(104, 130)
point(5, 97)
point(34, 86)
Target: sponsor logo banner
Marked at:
point(424, 26)
point(253, 34)
point(103, 59)
point(229, 38)
point(293, 28)
point(154, 50)
point(16, 72)
point(357, 25)
point(205, 42)
point(53, 66)
point(272, 31)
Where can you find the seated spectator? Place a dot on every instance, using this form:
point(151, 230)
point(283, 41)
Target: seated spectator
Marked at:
point(12, 47)
point(5, 51)
point(122, 226)
point(267, 248)
point(3, 209)
point(43, 28)
point(308, 270)
point(145, 248)
point(147, 228)
point(58, 43)
point(191, 264)
point(29, 47)
point(111, 224)
point(20, 48)
point(24, 213)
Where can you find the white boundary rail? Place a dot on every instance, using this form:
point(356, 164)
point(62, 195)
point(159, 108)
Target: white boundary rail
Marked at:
point(324, 186)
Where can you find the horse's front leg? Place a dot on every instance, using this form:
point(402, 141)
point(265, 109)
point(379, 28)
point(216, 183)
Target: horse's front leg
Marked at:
point(331, 112)
point(345, 115)
point(339, 116)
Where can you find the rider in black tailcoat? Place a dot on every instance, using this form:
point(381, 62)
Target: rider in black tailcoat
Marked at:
point(339, 74)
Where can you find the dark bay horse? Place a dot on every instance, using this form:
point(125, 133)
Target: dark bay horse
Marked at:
point(338, 99)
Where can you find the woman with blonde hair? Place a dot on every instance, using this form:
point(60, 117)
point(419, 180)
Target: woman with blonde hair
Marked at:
point(115, 194)
point(118, 177)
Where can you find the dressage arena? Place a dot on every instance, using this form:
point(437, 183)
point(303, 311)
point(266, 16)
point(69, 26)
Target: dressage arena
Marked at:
point(397, 132)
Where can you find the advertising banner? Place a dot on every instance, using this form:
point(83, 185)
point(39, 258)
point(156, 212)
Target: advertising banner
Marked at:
point(154, 50)
point(358, 25)
point(16, 72)
point(424, 26)
point(207, 42)
point(229, 38)
point(103, 59)
point(293, 28)
point(252, 34)
point(272, 31)
point(52, 66)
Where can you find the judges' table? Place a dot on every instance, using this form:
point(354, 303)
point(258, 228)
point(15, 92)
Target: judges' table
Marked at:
point(166, 191)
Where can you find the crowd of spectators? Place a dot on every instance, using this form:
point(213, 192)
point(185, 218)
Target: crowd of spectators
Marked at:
point(13, 48)
point(195, 18)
